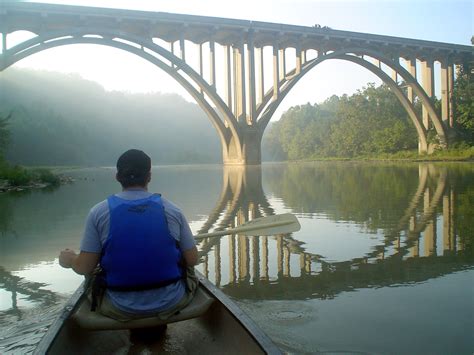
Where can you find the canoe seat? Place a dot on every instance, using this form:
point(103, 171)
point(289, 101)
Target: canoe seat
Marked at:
point(96, 321)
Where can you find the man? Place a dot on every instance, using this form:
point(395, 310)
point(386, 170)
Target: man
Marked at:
point(143, 244)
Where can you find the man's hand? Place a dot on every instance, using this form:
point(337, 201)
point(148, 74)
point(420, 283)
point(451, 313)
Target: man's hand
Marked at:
point(83, 263)
point(66, 258)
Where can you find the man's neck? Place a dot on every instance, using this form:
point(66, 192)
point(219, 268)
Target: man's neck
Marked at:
point(135, 188)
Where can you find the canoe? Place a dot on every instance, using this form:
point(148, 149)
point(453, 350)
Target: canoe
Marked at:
point(210, 324)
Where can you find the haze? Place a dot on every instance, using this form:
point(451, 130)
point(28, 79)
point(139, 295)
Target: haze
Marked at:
point(443, 21)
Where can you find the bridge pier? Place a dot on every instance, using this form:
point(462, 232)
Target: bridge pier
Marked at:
point(249, 152)
point(428, 85)
point(422, 147)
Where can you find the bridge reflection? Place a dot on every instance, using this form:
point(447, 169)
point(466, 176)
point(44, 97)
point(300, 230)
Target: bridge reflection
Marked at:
point(414, 216)
point(280, 267)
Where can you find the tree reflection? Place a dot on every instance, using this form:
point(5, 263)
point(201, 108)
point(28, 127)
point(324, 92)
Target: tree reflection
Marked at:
point(365, 193)
point(5, 217)
point(404, 202)
point(27, 290)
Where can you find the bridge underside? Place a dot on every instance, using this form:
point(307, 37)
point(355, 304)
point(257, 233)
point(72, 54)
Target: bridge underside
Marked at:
point(237, 93)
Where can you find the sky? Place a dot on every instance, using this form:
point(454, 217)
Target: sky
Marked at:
point(448, 21)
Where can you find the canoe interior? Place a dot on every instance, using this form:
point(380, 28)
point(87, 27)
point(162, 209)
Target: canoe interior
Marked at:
point(198, 306)
point(222, 329)
point(209, 334)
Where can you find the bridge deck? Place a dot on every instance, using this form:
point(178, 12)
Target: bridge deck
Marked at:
point(171, 27)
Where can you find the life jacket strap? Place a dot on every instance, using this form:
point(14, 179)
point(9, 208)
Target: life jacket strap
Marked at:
point(96, 287)
point(144, 287)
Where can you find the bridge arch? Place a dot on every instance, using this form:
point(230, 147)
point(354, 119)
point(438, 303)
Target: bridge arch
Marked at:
point(235, 99)
point(227, 128)
point(269, 107)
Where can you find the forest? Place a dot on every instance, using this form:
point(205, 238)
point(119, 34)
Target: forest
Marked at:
point(63, 119)
point(370, 122)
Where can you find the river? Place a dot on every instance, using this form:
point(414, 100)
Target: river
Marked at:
point(383, 263)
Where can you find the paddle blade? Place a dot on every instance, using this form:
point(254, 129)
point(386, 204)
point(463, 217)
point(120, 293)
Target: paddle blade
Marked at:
point(270, 225)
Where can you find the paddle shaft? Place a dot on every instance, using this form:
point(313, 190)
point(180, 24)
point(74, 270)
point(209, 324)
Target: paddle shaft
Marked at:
point(244, 228)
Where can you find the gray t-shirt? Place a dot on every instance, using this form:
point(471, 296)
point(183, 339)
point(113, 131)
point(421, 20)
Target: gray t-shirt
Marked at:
point(96, 232)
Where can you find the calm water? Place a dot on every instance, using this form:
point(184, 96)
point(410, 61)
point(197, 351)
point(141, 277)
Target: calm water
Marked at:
point(383, 263)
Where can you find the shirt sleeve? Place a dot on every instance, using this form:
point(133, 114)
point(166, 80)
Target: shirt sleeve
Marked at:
point(186, 241)
point(91, 238)
point(178, 225)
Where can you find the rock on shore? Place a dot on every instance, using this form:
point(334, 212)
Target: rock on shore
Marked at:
point(5, 185)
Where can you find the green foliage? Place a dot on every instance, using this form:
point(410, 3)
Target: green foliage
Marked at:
point(4, 132)
point(372, 121)
point(19, 176)
point(458, 151)
point(46, 176)
point(464, 102)
point(16, 175)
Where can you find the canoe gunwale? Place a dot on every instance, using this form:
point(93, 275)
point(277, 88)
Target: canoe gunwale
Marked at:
point(55, 327)
point(255, 332)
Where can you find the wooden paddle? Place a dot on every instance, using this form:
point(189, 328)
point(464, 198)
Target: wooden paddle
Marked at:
point(270, 225)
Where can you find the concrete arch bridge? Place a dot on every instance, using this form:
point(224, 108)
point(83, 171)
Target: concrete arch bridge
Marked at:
point(224, 64)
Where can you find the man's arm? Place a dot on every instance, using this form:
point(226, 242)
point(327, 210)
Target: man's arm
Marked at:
point(83, 264)
point(187, 244)
point(191, 256)
point(86, 261)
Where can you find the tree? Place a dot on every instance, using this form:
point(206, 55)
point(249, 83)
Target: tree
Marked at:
point(4, 133)
point(370, 121)
point(71, 121)
point(463, 102)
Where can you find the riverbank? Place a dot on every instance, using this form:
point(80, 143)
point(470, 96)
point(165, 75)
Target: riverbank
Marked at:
point(453, 154)
point(17, 178)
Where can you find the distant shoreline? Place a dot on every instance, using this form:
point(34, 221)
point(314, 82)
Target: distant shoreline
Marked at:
point(401, 160)
point(451, 155)
point(7, 186)
point(15, 178)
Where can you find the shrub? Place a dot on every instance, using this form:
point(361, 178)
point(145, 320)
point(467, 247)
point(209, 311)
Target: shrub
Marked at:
point(17, 176)
point(46, 176)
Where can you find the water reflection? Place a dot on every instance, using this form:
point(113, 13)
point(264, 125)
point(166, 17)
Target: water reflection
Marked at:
point(28, 290)
point(363, 226)
point(418, 242)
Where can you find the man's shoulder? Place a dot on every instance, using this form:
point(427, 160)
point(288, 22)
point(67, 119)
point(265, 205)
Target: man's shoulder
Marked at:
point(170, 207)
point(99, 208)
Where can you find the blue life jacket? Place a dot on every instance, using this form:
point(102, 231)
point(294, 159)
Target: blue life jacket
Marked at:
point(139, 252)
